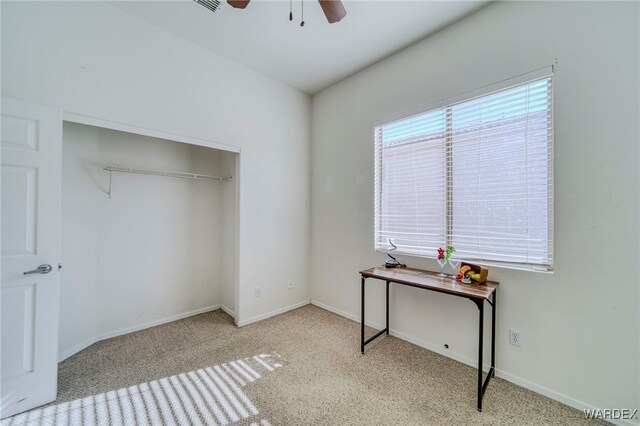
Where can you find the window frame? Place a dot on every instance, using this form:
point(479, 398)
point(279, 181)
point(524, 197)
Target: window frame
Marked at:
point(447, 105)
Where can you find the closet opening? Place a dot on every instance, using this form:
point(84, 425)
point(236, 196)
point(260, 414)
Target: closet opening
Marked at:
point(149, 233)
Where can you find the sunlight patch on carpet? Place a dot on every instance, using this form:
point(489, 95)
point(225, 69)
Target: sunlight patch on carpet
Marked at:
point(209, 396)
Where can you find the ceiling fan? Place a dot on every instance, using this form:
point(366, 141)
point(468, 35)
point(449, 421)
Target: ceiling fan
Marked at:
point(333, 9)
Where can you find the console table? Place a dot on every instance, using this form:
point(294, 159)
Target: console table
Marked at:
point(477, 293)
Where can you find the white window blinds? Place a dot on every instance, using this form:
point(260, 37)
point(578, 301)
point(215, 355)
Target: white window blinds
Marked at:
point(475, 174)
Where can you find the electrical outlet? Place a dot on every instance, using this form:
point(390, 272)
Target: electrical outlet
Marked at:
point(290, 284)
point(515, 338)
point(257, 291)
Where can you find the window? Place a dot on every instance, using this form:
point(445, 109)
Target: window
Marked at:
point(475, 174)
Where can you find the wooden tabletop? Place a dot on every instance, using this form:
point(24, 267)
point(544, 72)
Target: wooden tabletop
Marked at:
point(430, 281)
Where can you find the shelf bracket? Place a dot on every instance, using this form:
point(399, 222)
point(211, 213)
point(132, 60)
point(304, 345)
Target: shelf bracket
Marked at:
point(110, 178)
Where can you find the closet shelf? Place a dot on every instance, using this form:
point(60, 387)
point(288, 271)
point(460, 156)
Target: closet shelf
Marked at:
point(183, 175)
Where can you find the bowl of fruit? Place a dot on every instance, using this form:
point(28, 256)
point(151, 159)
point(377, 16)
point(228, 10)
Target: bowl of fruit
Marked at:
point(470, 273)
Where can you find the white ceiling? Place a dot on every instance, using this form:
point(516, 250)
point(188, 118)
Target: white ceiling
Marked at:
point(312, 57)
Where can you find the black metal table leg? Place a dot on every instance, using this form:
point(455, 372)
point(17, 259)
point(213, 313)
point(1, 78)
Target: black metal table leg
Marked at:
point(362, 311)
point(387, 308)
point(364, 342)
point(493, 332)
point(480, 347)
point(482, 385)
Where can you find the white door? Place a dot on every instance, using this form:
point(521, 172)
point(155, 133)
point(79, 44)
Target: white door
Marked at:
point(30, 226)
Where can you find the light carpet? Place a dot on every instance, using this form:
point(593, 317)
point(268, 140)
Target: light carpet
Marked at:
point(326, 381)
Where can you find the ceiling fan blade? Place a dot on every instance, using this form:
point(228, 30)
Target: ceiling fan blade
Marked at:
point(238, 4)
point(333, 10)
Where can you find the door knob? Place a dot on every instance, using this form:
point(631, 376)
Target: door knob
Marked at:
point(42, 269)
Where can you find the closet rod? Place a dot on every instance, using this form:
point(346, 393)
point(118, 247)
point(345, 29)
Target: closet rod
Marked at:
point(183, 175)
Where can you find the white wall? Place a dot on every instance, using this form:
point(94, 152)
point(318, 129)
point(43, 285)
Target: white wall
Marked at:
point(90, 58)
point(151, 252)
point(229, 239)
point(580, 326)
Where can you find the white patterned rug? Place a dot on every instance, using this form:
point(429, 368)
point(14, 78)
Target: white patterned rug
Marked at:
point(210, 396)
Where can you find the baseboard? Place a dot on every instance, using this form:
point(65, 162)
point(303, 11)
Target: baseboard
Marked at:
point(127, 330)
point(549, 393)
point(345, 314)
point(404, 336)
point(74, 350)
point(228, 311)
point(272, 313)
